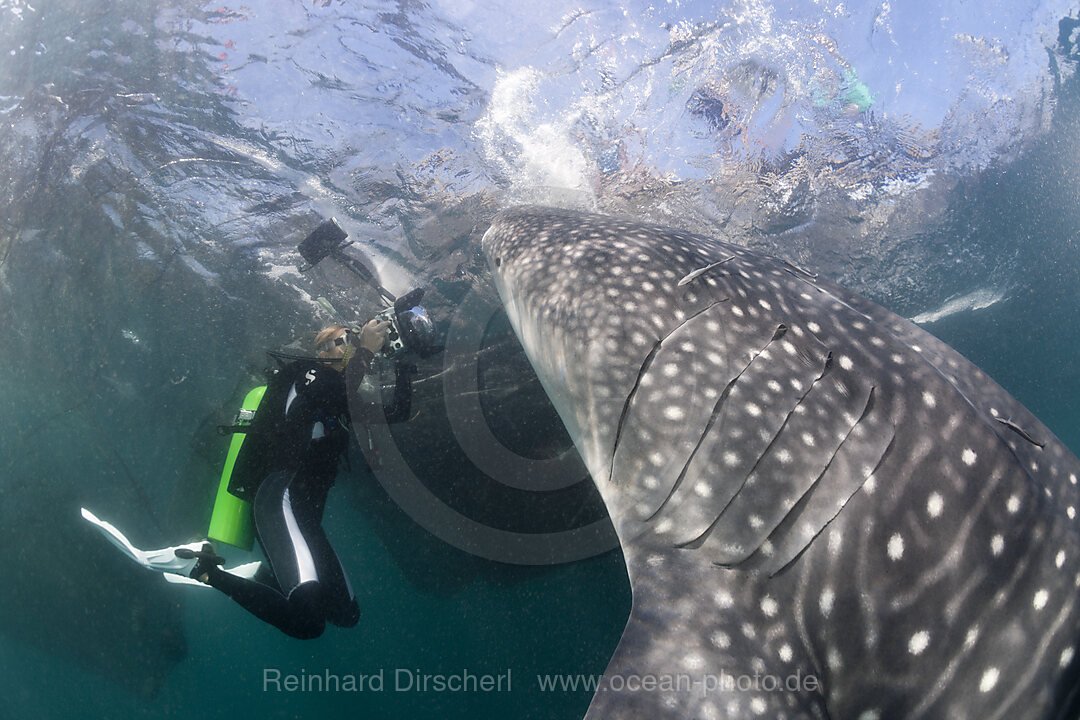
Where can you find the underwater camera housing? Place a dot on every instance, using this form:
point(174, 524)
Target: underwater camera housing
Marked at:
point(411, 328)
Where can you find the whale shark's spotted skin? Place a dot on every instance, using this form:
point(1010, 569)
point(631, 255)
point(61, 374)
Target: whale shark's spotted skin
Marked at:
point(803, 484)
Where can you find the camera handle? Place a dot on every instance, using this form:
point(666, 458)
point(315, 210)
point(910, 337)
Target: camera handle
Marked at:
point(357, 268)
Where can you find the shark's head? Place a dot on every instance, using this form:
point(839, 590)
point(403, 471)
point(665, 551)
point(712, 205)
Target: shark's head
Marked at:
point(584, 300)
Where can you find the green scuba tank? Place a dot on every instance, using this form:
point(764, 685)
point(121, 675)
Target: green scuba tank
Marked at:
point(231, 520)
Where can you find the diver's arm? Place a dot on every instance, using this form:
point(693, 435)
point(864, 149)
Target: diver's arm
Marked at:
point(358, 368)
point(401, 405)
point(371, 339)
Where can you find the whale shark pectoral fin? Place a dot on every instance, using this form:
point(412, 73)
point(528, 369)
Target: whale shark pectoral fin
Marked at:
point(161, 560)
point(690, 656)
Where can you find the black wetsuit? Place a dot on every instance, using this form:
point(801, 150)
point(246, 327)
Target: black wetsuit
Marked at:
point(292, 453)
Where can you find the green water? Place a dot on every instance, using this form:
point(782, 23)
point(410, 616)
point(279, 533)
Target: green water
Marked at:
point(135, 307)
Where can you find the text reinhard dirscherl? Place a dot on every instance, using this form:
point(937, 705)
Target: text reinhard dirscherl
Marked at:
point(383, 680)
point(411, 680)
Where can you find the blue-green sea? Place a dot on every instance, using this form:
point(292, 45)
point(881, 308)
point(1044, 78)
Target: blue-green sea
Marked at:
point(160, 162)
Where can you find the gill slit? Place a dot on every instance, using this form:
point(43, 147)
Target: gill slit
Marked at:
point(781, 329)
point(645, 365)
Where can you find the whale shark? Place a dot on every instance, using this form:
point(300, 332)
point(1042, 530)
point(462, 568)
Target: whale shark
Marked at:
point(825, 511)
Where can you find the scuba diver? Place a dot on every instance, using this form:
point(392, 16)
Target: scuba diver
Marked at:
point(288, 440)
point(286, 467)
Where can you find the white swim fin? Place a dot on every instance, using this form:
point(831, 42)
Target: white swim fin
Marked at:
point(163, 560)
point(176, 569)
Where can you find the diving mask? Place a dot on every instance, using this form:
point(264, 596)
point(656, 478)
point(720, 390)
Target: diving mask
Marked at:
point(342, 341)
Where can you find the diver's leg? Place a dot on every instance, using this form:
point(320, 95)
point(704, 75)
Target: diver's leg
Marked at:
point(340, 606)
point(298, 615)
point(296, 605)
point(279, 526)
point(307, 498)
point(301, 515)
